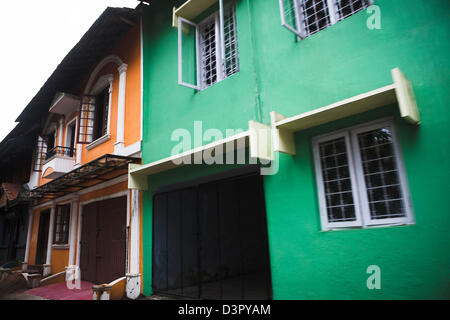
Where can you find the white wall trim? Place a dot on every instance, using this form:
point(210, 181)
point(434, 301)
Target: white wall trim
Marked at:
point(109, 196)
point(99, 141)
point(120, 139)
point(104, 184)
point(132, 149)
point(108, 59)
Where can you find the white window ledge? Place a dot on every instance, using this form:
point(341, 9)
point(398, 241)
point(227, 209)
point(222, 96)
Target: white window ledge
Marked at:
point(99, 141)
point(190, 9)
point(256, 138)
point(60, 246)
point(400, 92)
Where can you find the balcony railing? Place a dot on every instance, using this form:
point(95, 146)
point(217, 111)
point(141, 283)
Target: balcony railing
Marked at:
point(60, 151)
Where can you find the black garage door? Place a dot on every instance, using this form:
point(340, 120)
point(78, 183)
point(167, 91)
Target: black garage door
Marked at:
point(210, 238)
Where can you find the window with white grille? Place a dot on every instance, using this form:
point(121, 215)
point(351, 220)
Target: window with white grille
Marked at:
point(306, 17)
point(216, 48)
point(360, 178)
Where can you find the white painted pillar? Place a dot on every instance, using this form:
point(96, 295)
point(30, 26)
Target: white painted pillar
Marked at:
point(72, 230)
point(133, 277)
point(80, 218)
point(47, 266)
point(120, 141)
point(61, 131)
point(71, 269)
point(27, 247)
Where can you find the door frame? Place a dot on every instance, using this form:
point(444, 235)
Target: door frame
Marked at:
point(220, 176)
point(80, 223)
point(38, 243)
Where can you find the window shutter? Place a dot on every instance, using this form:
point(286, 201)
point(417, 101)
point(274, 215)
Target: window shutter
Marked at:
point(39, 154)
point(290, 16)
point(86, 120)
point(185, 30)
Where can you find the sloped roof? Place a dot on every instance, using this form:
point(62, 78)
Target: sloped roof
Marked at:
point(112, 24)
point(13, 193)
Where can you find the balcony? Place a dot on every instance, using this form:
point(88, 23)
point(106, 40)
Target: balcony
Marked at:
point(58, 161)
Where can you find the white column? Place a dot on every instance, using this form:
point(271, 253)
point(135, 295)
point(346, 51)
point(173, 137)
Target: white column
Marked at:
point(120, 141)
point(61, 131)
point(72, 230)
point(133, 277)
point(47, 266)
point(71, 269)
point(27, 247)
point(80, 218)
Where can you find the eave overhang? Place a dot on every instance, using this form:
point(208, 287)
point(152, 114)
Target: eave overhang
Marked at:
point(190, 9)
point(257, 139)
point(102, 169)
point(399, 93)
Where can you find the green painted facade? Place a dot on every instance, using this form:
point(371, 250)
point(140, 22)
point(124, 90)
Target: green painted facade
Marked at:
point(278, 73)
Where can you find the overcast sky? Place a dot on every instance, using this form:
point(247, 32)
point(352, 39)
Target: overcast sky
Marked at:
point(35, 36)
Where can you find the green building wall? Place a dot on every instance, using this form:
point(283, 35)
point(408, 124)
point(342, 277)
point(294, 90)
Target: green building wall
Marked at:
point(281, 74)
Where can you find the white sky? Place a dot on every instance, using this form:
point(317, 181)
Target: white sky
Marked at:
point(35, 35)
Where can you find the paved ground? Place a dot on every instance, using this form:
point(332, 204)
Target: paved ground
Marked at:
point(59, 291)
point(14, 287)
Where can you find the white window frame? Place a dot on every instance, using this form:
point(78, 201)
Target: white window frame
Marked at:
point(104, 82)
point(320, 185)
point(298, 30)
point(218, 17)
point(180, 53)
point(66, 142)
point(359, 188)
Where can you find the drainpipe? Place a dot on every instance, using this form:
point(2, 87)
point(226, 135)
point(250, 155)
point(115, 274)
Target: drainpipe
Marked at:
point(133, 277)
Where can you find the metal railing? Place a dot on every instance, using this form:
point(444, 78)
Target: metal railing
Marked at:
point(60, 151)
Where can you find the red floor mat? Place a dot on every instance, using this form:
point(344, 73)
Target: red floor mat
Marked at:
point(59, 291)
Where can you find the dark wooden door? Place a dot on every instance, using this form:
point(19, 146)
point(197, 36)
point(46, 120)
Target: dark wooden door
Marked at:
point(88, 242)
point(111, 239)
point(41, 248)
point(103, 240)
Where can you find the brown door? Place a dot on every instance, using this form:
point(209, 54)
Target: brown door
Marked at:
point(103, 240)
point(88, 242)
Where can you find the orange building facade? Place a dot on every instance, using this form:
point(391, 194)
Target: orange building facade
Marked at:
point(84, 220)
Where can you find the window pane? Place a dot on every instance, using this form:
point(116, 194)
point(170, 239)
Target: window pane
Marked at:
point(315, 15)
point(345, 8)
point(290, 14)
point(230, 42)
point(337, 181)
point(208, 53)
point(381, 174)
